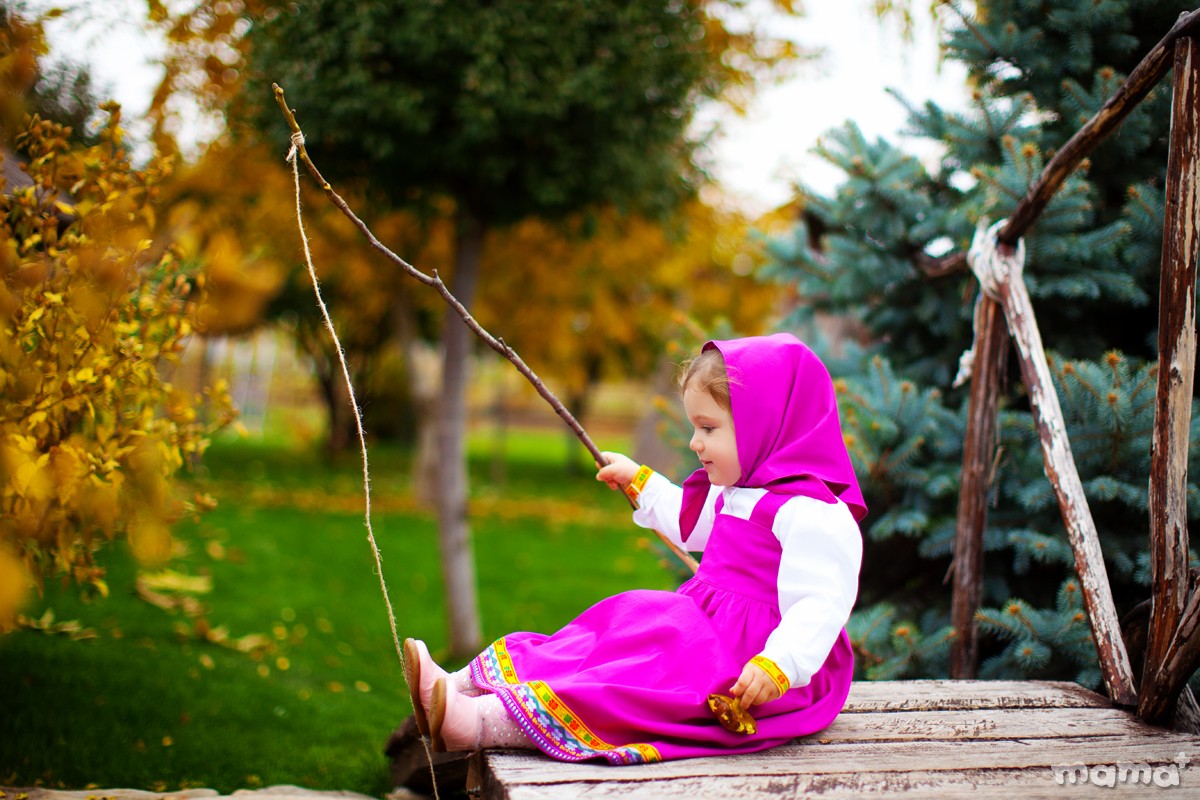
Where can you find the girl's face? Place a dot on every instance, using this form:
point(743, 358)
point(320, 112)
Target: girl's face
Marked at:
point(712, 440)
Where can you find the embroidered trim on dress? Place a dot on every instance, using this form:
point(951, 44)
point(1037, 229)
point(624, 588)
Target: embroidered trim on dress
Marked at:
point(495, 665)
point(546, 719)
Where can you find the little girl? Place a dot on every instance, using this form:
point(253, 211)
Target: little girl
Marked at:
point(774, 507)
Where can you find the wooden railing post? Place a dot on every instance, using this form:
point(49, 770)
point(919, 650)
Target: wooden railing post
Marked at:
point(1172, 643)
point(979, 448)
point(1000, 275)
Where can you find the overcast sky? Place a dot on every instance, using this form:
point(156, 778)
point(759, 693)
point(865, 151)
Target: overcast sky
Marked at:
point(763, 155)
point(759, 157)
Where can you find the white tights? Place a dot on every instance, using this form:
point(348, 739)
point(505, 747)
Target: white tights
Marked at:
point(496, 727)
point(461, 682)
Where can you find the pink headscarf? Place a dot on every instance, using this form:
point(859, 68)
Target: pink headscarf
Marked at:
point(785, 418)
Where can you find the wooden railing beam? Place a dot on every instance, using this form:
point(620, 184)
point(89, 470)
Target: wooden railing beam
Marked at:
point(979, 441)
point(1145, 75)
point(1171, 586)
point(979, 448)
point(1149, 71)
point(1000, 275)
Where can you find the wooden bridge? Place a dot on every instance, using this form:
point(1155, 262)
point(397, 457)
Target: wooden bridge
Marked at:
point(960, 737)
point(937, 739)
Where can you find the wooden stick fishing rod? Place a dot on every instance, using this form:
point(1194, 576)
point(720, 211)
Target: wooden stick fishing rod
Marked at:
point(435, 282)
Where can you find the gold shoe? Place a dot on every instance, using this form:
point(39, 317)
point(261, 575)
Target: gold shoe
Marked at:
point(412, 676)
point(437, 716)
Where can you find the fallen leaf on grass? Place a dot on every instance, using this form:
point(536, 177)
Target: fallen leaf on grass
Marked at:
point(45, 624)
point(170, 580)
point(172, 591)
point(250, 643)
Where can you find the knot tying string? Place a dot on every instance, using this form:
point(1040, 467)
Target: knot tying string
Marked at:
point(994, 268)
point(991, 265)
point(297, 143)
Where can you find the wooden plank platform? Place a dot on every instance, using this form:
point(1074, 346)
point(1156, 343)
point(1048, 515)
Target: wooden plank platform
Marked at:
point(936, 739)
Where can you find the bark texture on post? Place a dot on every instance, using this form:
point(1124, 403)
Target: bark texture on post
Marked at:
point(1175, 614)
point(454, 532)
point(1001, 277)
point(979, 448)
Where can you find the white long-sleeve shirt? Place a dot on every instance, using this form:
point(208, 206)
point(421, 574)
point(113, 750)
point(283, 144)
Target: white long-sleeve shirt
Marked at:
point(818, 571)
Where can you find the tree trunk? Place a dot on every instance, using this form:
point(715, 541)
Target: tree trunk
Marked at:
point(979, 448)
point(458, 562)
point(424, 382)
point(579, 403)
point(650, 446)
point(342, 430)
point(500, 431)
point(331, 389)
point(328, 384)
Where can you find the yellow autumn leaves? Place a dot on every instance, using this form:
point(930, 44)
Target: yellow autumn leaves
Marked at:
point(95, 307)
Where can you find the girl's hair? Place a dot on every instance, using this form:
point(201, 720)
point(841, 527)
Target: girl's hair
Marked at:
point(706, 372)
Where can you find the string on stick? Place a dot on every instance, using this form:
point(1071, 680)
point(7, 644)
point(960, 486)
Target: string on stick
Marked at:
point(296, 148)
point(435, 282)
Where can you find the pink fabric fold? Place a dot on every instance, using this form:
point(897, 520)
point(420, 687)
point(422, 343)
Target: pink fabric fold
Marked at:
point(695, 491)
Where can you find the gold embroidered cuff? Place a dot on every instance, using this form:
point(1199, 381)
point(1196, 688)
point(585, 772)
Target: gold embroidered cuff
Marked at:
point(775, 673)
point(634, 489)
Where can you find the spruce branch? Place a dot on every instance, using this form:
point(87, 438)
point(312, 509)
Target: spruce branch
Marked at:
point(435, 282)
point(1145, 76)
point(1131, 92)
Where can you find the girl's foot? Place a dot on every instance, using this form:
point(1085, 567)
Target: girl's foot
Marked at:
point(454, 720)
point(420, 673)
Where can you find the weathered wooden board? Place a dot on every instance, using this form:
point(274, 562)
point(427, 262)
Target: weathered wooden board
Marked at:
point(949, 695)
point(1022, 784)
point(943, 739)
point(934, 755)
point(1004, 723)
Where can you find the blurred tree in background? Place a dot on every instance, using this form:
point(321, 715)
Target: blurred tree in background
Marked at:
point(96, 310)
point(629, 278)
point(507, 111)
point(871, 252)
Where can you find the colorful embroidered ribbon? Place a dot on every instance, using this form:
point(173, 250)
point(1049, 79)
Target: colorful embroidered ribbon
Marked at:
point(545, 718)
point(634, 489)
point(773, 672)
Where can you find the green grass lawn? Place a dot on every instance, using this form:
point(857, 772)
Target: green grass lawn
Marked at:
point(163, 700)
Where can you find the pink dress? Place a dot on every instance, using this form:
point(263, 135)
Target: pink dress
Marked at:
point(628, 679)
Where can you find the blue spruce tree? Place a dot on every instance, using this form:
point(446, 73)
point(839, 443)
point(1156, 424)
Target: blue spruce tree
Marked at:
point(885, 251)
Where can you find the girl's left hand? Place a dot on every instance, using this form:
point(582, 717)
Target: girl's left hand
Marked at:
point(754, 687)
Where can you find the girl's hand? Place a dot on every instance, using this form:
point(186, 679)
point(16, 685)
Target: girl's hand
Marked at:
point(754, 687)
point(618, 472)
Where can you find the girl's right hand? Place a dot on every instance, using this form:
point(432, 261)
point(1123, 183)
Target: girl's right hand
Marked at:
point(619, 472)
